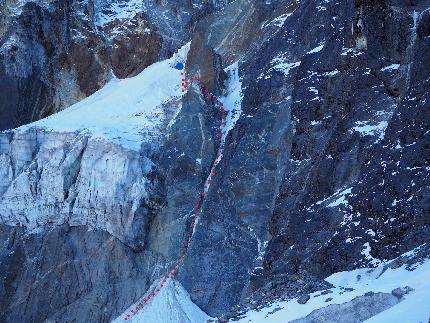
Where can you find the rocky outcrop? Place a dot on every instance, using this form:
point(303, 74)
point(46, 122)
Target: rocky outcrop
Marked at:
point(135, 45)
point(319, 103)
point(358, 310)
point(49, 59)
point(334, 128)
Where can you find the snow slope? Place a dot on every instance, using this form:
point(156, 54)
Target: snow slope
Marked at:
point(127, 112)
point(413, 309)
point(172, 304)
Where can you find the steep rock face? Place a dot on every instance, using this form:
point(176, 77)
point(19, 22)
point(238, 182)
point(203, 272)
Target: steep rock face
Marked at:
point(135, 45)
point(325, 170)
point(47, 56)
point(352, 127)
point(233, 233)
point(404, 154)
point(87, 266)
point(321, 99)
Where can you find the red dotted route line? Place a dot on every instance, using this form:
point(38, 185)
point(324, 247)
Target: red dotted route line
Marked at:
point(192, 223)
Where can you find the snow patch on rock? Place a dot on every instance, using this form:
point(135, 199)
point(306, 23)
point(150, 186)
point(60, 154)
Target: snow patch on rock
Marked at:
point(391, 67)
point(233, 100)
point(316, 49)
point(109, 11)
point(364, 128)
point(281, 64)
point(337, 198)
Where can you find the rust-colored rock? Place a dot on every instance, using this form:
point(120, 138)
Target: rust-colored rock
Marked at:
point(88, 68)
point(135, 45)
point(202, 60)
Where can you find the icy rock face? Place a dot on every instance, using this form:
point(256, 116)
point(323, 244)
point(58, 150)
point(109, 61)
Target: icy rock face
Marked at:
point(305, 102)
point(301, 193)
point(60, 178)
point(111, 178)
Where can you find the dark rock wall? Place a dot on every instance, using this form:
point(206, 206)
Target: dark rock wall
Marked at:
point(67, 274)
point(52, 61)
point(302, 141)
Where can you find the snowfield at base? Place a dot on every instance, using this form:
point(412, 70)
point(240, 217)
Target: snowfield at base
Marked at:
point(127, 112)
point(172, 304)
point(414, 308)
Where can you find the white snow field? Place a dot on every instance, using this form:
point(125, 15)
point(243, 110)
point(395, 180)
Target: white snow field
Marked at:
point(172, 304)
point(127, 112)
point(415, 308)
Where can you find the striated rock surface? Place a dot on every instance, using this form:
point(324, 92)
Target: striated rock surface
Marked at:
point(68, 273)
